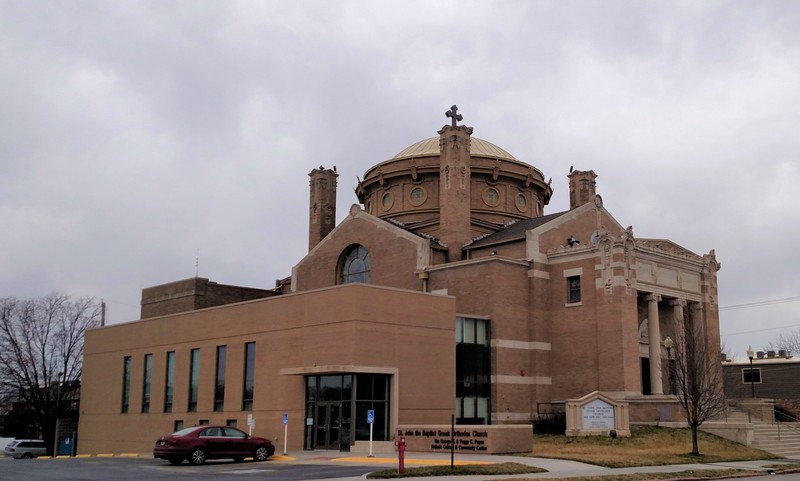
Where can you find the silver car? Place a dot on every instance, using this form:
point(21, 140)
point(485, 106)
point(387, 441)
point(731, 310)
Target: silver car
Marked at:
point(25, 448)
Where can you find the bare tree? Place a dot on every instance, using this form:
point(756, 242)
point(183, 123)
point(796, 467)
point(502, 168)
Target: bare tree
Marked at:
point(697, 374)
point(789, 341)
point(41, 354)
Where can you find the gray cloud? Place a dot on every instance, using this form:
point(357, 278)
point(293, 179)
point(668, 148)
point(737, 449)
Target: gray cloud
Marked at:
point(133, 134)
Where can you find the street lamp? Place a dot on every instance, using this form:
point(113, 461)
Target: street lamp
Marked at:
point(752, 377)
point(668, 343)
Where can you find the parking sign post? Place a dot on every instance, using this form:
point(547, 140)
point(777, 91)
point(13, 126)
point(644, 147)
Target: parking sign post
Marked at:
point(370, 421)
point(285, 431)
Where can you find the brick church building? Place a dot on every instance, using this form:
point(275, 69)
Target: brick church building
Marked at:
point(447, 290)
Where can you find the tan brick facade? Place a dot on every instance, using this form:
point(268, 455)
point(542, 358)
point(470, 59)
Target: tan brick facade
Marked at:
point(570, 301)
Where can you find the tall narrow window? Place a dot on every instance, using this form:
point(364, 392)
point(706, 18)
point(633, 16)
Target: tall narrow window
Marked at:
point(148, 371)
point(354, 266)
point(573, 289)
point(219, 386)
point(194, 378)
point(473, 386)
point(126, 383)
point(169, 382)
point(249, 376)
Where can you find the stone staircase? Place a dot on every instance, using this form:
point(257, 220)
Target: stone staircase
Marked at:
point(778, 438)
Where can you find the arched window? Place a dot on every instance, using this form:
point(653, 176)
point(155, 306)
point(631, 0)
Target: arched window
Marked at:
point(354, 265)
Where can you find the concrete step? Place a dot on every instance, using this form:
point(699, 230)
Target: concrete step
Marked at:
point(783, 440)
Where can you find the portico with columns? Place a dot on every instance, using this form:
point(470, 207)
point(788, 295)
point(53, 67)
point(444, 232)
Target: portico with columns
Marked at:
point(670, 287)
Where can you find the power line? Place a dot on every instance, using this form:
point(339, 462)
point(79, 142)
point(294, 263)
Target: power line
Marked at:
point(760, 303)
point(761, 330)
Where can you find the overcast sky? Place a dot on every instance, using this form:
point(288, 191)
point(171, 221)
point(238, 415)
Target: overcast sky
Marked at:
point(135, 134)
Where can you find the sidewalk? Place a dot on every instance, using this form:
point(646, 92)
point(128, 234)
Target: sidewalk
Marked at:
point(556, 468)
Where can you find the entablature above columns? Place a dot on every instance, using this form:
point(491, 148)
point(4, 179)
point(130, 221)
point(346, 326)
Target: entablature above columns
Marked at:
point(667, 293)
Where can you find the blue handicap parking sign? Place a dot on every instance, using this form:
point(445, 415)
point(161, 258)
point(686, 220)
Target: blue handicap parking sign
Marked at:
point(285, 418)
point(370, 416)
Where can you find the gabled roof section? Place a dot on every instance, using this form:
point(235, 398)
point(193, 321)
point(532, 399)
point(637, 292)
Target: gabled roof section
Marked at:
point(515, 231)
point(356, 212)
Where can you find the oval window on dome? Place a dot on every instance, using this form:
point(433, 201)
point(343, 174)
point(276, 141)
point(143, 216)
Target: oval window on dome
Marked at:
point(418, 196)
point(521, 202)
point(387, 201)
point(491, 197)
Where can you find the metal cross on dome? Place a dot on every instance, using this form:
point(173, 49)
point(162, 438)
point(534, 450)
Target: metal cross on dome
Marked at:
point(453, 114)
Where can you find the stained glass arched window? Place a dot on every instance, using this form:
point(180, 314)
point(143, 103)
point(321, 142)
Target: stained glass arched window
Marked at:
point(355, 265)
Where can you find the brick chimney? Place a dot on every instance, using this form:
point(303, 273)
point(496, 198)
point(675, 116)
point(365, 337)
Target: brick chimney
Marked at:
point(322, 207)
point(581, 187)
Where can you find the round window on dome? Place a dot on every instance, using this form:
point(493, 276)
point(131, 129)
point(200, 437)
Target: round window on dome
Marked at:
point(387, 201)
point(418, 196)
point(491, 197)
point(521, 202)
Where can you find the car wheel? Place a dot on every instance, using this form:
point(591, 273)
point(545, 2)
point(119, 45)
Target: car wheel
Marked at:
point(175, 461)
point(27, 455)
point(261, 454)
point(197, 456)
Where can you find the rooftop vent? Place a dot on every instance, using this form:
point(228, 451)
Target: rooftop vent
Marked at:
point(760, 354)
point(770, 353)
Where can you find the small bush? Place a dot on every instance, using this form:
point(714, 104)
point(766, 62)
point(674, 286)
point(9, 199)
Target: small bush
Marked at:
point(552, 423)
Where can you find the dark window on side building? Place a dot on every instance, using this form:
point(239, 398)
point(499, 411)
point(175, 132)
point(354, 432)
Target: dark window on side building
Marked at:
point(753, 376)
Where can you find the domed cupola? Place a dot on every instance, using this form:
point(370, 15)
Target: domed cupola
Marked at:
point(454, 187)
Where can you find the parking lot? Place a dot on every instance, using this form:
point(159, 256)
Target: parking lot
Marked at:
point(139, 468)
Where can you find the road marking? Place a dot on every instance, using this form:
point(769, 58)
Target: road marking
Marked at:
point(279, 457)
point(248, 471)
point(430, 462)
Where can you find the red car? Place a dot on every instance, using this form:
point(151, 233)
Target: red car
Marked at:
point(199, 443)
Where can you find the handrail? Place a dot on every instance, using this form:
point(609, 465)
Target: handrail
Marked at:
point(789, 424)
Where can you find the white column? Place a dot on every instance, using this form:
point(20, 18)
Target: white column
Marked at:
point(654, 334)
point(696, 319)
point(677, 315)
point(679, 337)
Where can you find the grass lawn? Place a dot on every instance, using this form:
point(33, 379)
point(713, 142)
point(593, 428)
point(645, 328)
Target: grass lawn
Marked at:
point(647, 446)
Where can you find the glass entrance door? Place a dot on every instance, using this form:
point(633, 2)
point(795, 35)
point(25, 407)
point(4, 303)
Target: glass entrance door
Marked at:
point(327, 425)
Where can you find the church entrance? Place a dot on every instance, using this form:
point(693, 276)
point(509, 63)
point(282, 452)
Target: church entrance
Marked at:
point(328, 425)
point(337, 407)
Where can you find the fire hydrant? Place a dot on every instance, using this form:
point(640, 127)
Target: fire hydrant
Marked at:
point(401, 453)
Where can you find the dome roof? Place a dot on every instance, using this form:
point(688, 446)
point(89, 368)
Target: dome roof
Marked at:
point(478, 147)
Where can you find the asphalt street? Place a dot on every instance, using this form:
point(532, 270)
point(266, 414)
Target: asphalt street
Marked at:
point(315, 465)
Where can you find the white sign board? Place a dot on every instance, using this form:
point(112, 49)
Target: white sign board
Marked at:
point(598, 414)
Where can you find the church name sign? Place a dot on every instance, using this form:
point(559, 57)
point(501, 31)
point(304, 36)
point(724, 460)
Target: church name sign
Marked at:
point(598, 414)
point(472, 438)
point(439, 440)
